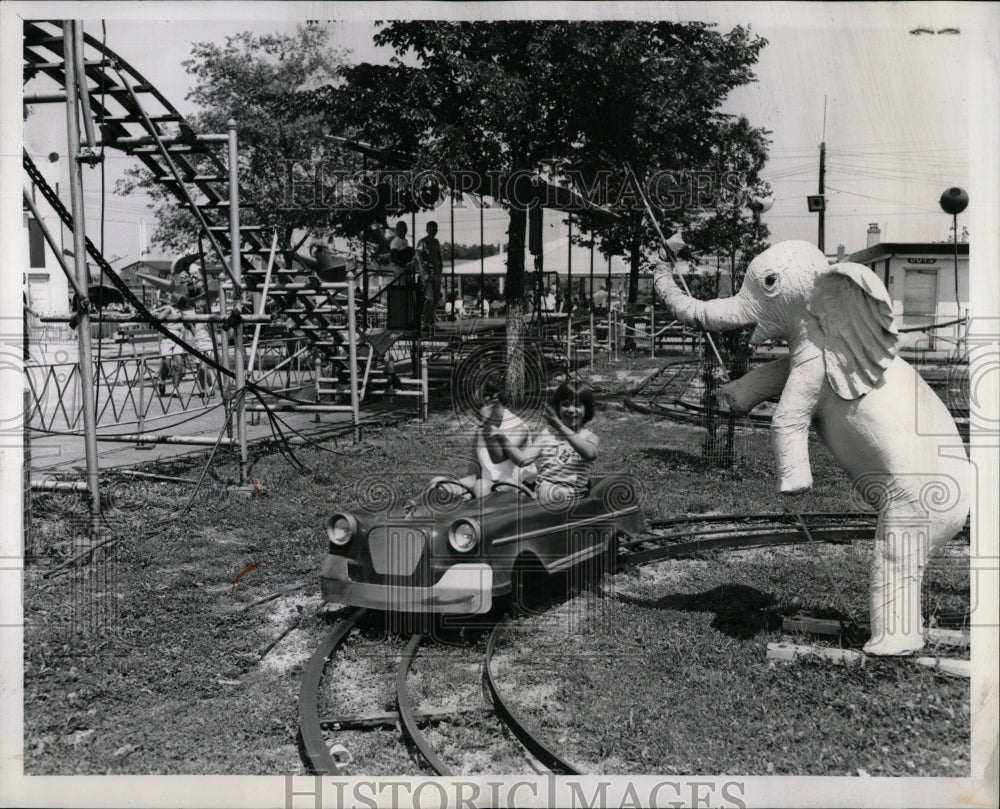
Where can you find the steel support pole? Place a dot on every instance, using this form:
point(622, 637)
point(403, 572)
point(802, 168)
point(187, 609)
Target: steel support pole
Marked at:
point(234, 262)
point(352, 353)
point(82, 278)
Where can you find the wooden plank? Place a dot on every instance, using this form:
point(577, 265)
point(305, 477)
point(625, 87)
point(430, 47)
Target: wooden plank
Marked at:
point(789, 652)
point(948, 637)
point(389, 719)
point(831, 626)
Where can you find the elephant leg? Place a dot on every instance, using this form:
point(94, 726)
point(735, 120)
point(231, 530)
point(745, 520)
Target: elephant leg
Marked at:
point(790, 424)
point(901, 548)
point(762, 383)
point(909, 531)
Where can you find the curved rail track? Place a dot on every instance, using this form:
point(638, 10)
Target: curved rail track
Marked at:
point(666, 538)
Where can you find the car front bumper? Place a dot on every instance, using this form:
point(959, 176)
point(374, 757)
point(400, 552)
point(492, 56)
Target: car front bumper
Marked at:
point(465, 589)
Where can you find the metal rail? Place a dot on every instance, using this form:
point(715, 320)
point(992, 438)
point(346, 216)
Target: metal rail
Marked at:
point(407, 719)
point(524, 733)
point(317, 755)
point(771, 529)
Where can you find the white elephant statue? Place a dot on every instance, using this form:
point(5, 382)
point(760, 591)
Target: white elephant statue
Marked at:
point(889, 431)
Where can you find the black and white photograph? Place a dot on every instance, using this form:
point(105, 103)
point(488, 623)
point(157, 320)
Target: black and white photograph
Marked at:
point(500, 404)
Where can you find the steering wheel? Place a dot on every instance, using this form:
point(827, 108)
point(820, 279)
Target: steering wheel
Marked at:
point(511, 485)
point(449, 482)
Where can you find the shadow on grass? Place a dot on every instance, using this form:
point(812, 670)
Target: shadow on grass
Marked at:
point(677, 459)
point(740, 611)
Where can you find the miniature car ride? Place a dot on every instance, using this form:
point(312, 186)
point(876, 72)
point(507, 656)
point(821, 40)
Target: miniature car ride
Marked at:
point(443, 553)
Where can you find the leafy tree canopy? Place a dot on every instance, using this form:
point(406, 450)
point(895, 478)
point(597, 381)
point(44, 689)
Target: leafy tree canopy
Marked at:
point(255, 81)
point(590, 98)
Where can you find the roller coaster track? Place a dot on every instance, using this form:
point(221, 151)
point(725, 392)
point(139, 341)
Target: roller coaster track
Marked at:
point(669, 538)
point(155, 133)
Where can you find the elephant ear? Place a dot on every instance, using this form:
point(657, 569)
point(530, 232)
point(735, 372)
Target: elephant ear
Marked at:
point(855, 313)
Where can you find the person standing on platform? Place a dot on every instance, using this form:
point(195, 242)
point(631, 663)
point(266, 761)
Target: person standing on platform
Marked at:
point(601, 298)
point(400, 252)
point(430, 266)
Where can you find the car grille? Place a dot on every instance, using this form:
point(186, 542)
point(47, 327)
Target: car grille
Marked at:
point(396, 549)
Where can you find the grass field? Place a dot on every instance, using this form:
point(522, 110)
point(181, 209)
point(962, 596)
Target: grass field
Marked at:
point(668, 671)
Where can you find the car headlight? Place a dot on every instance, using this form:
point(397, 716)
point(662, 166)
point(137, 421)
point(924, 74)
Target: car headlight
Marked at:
point(464, 535)
point(340, 528)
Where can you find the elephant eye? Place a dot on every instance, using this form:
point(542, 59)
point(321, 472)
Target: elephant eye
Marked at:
point(771, 283)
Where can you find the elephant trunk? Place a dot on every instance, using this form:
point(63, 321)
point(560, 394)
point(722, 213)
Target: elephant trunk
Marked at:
point(721, 314)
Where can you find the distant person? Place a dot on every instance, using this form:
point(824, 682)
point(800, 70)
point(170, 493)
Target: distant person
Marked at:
point(496, 307)
point(202, 341)
point(549, 300)
point(484, 307)
point(601, 298)
point(455, 308)
point(400, 252)
point(430, 265)
point(171, 354)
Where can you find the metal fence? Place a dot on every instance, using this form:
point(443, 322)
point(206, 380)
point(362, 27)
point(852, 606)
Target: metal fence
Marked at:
point(131, 392)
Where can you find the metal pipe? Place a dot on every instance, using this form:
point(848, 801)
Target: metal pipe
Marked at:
point(45, 98)
point(59, 486)
point(115, 317)
point(669, 254)
point(162, 438)
point(80, 261)
point(652, 326)
point(166, 140)
point(235, 260)
point(263, 304)
point(142, 394)
point(592, 332)
point(81, 71)
point(352, 352)
point(425, 390)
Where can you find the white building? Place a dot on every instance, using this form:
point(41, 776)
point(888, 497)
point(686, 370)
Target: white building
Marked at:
point(927, 286)
point(45, 285)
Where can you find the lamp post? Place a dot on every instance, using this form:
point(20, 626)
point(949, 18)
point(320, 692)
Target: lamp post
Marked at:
point(758, 205)
point(954, 201)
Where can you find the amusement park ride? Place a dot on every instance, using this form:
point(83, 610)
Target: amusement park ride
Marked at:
point(319, 303)
point(314, 299)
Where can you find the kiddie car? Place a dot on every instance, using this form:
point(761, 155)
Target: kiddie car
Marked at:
point(444, 554)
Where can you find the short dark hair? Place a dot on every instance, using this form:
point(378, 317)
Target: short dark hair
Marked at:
point(575, 390)
point(492, 386)
point(432, 224)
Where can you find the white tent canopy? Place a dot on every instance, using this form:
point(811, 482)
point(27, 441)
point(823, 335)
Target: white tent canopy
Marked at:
point(556, 257)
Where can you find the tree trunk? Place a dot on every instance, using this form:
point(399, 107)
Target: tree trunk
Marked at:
point(515, 305)
point(635, 253)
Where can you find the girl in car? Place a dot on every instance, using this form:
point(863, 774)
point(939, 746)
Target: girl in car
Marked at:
point(565, 450)
point(490, 462)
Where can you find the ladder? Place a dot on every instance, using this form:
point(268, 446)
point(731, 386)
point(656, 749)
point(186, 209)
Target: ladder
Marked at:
point(135, 118)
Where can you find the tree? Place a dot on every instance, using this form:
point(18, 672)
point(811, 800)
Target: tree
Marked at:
point(503, 99)
point(256, 80)
point(657, 122)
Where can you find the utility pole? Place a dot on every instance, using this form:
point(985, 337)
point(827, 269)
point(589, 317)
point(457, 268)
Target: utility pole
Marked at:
point(821, 238)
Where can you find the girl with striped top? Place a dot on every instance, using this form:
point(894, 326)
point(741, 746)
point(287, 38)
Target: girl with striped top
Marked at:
point(565, 450)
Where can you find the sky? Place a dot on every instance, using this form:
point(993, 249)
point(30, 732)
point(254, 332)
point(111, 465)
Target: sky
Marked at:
point(892, 107)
